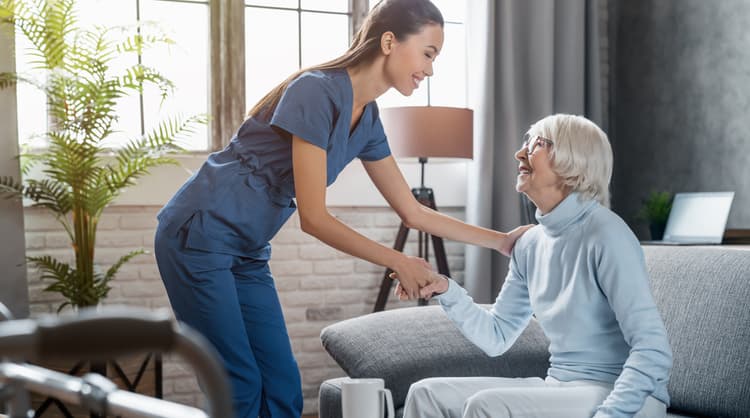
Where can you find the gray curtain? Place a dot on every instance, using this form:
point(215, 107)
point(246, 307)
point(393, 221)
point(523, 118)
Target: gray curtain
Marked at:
point(528, 59)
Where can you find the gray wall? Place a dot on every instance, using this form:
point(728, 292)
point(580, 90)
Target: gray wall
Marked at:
point(680, 101)
point(14, 292)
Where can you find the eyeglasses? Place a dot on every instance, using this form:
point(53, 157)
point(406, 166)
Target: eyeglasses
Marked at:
point(530, 143)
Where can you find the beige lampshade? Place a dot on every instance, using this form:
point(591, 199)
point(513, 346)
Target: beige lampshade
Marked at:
point(429, 131)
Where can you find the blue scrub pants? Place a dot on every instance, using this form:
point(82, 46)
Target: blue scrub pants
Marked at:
point(233, 302)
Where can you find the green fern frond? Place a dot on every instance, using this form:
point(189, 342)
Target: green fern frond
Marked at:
point(147, 35)
point(88, 105)
point(59, 20)
point(45, 193)
point(62, 306)
point(51, 268)
point(40, 22)
point(11, 79)
point(126, 174)
point(77, 289)
point(95, 195)
point(8, 80)
point(71, 156)
point(64, 17)
point(65, 279)
point(137, 75)
point(112, 271)
point(93, 50)
point(10, 10)
point(27, 161)
point(162, 138)
point(139, 155)
point(166, 135)
point(6, 12)
point(82, 93)
point(49, 194)
point(11, 188)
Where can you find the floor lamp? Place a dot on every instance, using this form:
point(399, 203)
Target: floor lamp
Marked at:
point(425, 132)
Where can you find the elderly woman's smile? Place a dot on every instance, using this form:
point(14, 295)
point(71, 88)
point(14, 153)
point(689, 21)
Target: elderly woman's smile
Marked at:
point(536, 176)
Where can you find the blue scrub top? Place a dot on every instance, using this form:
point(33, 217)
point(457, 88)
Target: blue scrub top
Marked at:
point(241, 196)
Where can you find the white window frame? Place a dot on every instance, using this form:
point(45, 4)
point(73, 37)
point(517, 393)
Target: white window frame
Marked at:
point(228, 107)
point(227, 84)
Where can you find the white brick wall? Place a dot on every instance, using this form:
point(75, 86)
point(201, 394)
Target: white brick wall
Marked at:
point(317, 285)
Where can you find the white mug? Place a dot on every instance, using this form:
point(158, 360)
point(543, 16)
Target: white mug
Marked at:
point(365, 398)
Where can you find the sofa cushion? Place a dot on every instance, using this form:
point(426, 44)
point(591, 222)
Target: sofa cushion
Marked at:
point(330, 399)
point(703, 294)
point(400, 347)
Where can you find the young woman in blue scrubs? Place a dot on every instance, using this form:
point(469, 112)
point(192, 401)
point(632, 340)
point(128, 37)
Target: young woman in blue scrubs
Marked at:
point(212, 243)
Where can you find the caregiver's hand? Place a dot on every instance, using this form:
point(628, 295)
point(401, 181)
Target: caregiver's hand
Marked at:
point(438, 284)
point(412, 273)
point(508, 240)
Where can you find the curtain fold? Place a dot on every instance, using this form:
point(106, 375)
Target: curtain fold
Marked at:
point(528, 59)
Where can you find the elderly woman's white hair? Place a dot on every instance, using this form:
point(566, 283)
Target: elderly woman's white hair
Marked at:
point(581, 154)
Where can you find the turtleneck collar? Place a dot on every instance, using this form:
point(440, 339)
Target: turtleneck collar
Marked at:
point(569, 210)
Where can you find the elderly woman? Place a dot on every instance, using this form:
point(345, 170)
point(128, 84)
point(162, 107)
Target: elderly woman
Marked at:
point(581, 273)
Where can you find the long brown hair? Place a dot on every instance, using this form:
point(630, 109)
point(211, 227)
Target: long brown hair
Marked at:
point(402, 17)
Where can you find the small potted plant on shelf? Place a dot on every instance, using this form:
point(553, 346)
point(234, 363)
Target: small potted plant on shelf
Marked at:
point(655, 211)
point(81, 176)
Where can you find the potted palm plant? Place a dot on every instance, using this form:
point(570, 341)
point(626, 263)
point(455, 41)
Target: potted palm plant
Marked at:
point(655, 211)
point(81, 176)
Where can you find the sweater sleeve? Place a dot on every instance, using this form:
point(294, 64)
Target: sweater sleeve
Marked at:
point(623, 278)
point(495, 330)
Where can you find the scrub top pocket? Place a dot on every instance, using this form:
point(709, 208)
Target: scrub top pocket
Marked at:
point(242, 223)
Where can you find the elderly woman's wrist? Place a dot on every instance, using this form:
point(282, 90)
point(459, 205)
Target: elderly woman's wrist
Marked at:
point(443, 284)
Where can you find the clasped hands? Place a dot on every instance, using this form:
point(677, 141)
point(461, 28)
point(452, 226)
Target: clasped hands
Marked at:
point(417, 279)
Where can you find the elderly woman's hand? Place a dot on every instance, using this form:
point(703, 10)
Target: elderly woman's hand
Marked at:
point(437, 284)
point(509, 240)
point(414, 273)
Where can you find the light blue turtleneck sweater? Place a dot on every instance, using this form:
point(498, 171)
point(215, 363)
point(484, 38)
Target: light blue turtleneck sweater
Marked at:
point(582, 273)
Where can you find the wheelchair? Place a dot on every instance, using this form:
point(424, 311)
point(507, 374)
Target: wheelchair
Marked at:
point(96, 335)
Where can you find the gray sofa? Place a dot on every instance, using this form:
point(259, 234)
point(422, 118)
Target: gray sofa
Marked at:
point(703, 294)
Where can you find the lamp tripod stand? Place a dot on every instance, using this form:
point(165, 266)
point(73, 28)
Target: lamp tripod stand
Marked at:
point(425, 196)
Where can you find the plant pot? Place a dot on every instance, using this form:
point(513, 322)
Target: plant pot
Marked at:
point(657, 230)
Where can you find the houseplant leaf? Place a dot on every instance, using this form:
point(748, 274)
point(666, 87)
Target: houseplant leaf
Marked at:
point(79, 176)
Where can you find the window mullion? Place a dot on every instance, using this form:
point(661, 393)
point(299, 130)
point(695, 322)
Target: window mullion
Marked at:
point(227, 73)
point(140, 62)
point(359, 9)
point(299, 34)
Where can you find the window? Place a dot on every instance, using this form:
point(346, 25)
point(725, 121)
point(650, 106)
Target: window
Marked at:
point(282, 36)
point(447, 87)
point(185, 63)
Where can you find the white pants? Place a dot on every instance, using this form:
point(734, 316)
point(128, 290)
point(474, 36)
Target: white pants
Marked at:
point(497, 397)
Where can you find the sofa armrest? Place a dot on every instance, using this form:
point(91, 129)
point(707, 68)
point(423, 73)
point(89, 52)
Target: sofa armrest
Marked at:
point(405, 345)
